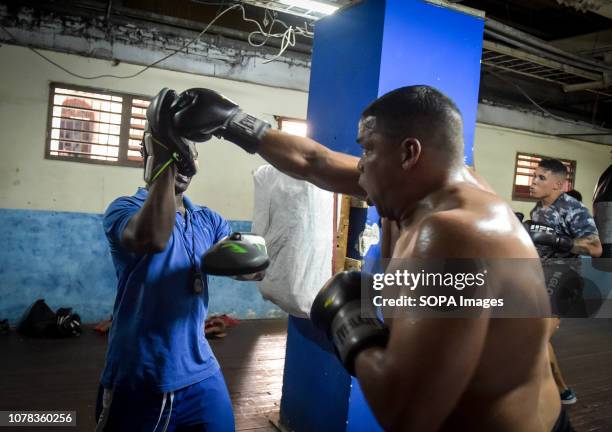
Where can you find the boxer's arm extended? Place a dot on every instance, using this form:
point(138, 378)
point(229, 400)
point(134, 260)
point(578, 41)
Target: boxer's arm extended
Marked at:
point(590, 245)
point(149, 229)
point(416, 381)
point(308, 160)
point(201, 113)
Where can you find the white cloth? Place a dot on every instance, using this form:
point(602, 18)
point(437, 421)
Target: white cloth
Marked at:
point(296, 220)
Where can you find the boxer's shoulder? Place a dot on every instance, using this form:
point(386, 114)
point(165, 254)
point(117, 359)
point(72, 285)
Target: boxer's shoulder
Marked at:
point(452, 233)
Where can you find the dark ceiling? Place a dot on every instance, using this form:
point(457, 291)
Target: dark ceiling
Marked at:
point(549, 21)
point(544, 19)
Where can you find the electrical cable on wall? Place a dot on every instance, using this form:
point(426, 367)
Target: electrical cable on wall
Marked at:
point(287, 39)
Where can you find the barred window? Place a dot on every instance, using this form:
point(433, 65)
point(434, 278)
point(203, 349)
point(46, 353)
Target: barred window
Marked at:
point(95, 126)
point(524, 167)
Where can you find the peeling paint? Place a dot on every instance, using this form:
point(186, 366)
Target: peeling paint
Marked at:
point(64, 258)
point(212, 55)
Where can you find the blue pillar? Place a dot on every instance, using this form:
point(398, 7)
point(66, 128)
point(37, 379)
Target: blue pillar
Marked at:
point(359, 54)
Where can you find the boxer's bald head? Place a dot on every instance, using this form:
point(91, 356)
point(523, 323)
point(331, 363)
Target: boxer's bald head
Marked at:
point(424, 113)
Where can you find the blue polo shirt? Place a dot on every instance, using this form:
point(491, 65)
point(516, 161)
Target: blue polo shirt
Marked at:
point(157, 338)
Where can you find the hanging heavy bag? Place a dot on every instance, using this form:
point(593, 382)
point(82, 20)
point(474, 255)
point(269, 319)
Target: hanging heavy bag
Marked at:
point(602, 212)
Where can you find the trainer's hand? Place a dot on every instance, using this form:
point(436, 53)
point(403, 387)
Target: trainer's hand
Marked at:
point(202, 113)
point(337, 311)
point(162, 146)
point(546, 236)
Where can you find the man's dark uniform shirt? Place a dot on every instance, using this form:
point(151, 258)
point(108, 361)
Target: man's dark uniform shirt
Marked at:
point(568, 217)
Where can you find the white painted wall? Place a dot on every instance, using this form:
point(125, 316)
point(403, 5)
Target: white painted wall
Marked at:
point(29, 181)
point(495, 151)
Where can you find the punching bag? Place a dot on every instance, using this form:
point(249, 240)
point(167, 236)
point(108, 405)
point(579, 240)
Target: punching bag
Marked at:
point(602, 212)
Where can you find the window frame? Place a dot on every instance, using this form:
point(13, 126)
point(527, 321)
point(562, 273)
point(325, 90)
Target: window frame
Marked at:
point(124, 130)
point(519, 196)
point(280, 119)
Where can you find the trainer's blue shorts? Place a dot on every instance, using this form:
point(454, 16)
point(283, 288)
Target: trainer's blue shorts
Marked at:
point(204, 406)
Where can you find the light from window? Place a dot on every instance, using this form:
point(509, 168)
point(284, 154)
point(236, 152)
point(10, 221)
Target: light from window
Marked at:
point(76, 125)
point(137, 123)
point(99, 127)
point(292, 126)
point(524, 168)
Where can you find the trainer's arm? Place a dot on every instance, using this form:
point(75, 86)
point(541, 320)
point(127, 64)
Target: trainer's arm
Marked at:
point(308, 160)
point(148, 231)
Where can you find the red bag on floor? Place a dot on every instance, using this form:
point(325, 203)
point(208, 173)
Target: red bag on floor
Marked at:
point(216, 325)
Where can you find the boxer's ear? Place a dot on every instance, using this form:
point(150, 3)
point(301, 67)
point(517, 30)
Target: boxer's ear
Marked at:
point(410, 152)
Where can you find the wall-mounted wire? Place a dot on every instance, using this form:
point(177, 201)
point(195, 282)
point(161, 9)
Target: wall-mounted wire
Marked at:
point(287, 39)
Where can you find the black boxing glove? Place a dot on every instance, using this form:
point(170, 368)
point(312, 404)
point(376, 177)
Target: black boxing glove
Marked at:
point(161, 145)
point(546, 236)
point(336, 310)
point(202, 113)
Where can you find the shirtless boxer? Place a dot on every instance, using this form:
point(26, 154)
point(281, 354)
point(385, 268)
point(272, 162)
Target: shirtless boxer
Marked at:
point(433, 374)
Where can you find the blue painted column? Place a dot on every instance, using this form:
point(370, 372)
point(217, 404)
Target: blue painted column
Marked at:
point(359, 54)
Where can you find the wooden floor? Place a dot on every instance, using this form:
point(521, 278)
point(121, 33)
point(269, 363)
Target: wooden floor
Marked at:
point(584, 350)
point(63, 374)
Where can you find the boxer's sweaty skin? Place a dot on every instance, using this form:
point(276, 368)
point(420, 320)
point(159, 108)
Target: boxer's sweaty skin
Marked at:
point(439, 374)
point(463, 374)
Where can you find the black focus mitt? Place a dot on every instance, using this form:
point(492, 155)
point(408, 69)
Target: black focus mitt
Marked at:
point(240, 254)
point(162, 145)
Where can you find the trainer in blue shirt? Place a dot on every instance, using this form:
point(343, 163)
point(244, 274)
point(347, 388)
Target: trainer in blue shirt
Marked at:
point(160, 373)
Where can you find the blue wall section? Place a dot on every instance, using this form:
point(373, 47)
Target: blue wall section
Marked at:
point(315, 385)
point(64, 258)
point(360, 417)
point(428, 44)
point(336, 98)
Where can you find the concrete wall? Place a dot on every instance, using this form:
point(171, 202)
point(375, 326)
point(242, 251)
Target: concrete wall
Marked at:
point(31, 182)
point(53, 244)
point(125, 38)
point(495, 151)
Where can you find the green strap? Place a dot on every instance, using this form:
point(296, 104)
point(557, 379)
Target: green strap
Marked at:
point(163, 168)
point(234, 248)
